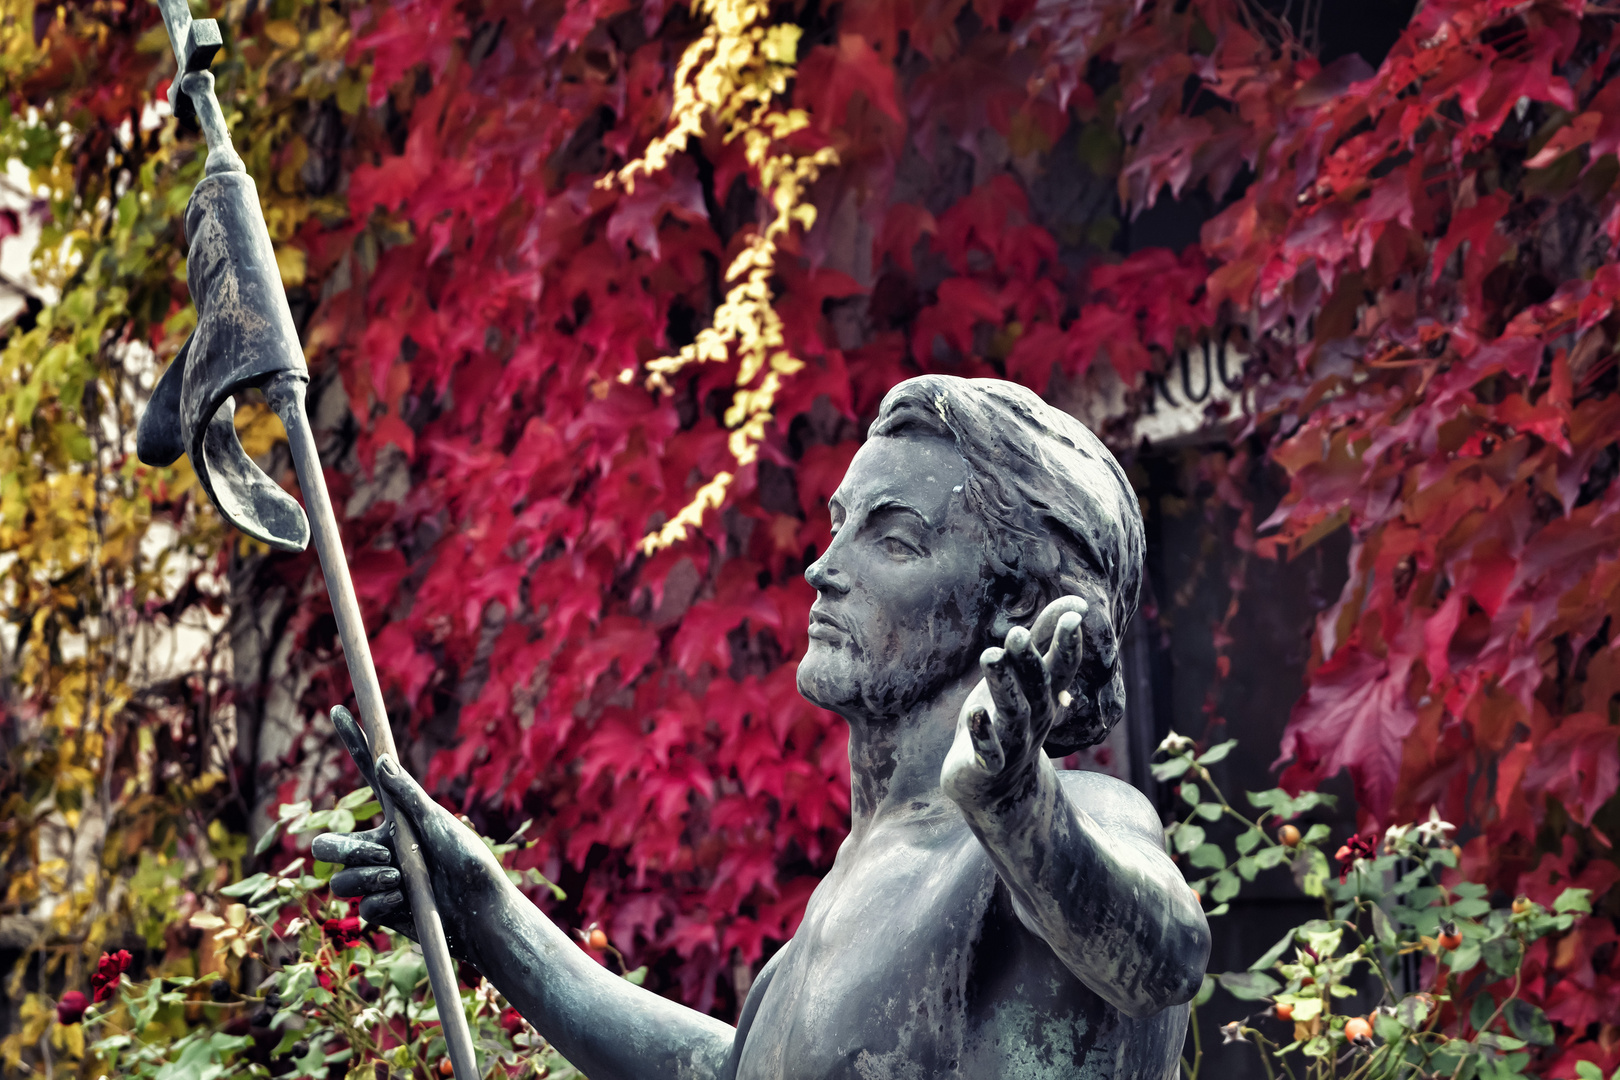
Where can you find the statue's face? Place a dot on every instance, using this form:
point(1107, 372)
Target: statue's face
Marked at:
point(902, 606)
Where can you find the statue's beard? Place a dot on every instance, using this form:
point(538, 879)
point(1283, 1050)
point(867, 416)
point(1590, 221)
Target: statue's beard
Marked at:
point(884, 681)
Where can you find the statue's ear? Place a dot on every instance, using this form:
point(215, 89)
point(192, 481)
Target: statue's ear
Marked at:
point(1018, 607)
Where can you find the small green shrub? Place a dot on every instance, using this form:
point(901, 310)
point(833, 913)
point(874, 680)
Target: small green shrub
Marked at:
point(1386, 902)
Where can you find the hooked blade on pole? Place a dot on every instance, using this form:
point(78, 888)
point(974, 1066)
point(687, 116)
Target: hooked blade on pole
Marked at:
point(245, 333)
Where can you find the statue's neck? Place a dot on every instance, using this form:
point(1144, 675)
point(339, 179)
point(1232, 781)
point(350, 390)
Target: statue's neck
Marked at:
point(894, 762)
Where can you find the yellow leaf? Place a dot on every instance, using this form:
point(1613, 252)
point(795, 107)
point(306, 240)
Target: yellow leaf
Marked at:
point(283, 33)
point(292, 263)
point(206, 920)
point(236, 915)
point(69, 1038)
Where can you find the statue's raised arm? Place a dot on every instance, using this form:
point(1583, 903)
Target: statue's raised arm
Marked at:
point(1082, 856)
point(988, 915)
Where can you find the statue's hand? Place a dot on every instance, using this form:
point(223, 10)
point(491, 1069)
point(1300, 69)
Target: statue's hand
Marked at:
point(1008, 715)
point(467, 878)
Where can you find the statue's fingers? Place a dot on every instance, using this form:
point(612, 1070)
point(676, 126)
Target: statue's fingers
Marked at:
point(1046, 625)
point(364, 880)
point(424, 814)
point(986, 745)
point(354, 849)
point(1101, 647)
point(354, 740)
point(1027, 668)
point(1063, 658)
point(1011, 704)
point(389, 909)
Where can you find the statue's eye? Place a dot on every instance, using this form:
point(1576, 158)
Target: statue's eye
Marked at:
point(899, 545)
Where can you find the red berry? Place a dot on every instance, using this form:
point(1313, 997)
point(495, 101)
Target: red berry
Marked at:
point(598, 939)
point(1357, 1028)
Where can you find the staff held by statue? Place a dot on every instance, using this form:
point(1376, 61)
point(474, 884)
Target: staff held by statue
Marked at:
point(244, 339)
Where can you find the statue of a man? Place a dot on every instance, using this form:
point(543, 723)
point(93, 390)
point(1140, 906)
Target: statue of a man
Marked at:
point(989, 916)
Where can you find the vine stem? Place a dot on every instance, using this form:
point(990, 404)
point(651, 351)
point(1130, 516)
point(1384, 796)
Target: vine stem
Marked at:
point(1198, 1047)
point(1518, 979)
point(1265, 1060)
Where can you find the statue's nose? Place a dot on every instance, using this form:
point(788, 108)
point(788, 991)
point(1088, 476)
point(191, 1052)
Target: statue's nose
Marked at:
point(824, 577)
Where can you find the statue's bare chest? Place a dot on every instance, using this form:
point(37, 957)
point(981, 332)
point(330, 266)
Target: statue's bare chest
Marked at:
point(911, 964)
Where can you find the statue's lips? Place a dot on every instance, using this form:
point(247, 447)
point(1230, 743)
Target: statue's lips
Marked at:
point(825, 628)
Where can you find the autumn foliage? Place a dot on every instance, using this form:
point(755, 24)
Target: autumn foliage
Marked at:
point(1418, 260)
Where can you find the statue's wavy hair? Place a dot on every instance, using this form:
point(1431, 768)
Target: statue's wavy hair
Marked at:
point(1061, 518)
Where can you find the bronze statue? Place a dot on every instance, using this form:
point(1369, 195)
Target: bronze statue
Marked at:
point(989, 916)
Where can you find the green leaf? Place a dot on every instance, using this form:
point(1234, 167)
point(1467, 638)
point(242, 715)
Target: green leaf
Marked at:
point(1205, 991)
point(1529, 1023)
point(1502, 955)
point(268, 839)
point(636, 977)
point(1208, 811)
point(1267, 800)
point(535, 877)
point(1187, 837)
point(1413, 1010)
point(1306, 1009)
point(1248, 841)
point(1588, 1070)
point(1383, 929)
point(1464, 958)
point(1189, 793)
point(1576, 900)
point(1269, 857)
point(356, 798)
point(1249, 985)
point(1311, 872)
point(1480, 1013)
point(1208, 856)
point(1165, 771)
point(246, 886)
point(1217, 911)
point(1226, 886)
point(1273, 954)
point(1217, 753)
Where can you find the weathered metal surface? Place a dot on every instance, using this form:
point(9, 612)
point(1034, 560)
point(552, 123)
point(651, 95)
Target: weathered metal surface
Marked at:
point(988, 916)
point(244, 335)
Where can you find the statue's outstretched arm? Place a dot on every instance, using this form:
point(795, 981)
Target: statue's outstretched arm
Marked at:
point(605, 1026)
point(1086, 867)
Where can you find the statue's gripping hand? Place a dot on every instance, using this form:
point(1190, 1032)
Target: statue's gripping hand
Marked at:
point(466, 876)
point(1009, 714)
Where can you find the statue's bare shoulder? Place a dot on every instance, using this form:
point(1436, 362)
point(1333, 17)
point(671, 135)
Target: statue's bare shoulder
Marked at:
point(1113, 804)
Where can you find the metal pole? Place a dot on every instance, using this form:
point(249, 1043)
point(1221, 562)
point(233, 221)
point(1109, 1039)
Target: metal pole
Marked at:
point(286, 396)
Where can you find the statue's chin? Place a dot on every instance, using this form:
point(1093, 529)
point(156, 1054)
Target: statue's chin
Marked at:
point(826, 677)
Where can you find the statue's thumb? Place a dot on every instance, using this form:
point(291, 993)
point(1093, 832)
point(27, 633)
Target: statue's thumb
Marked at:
point(407, 796)
point(354, 740)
